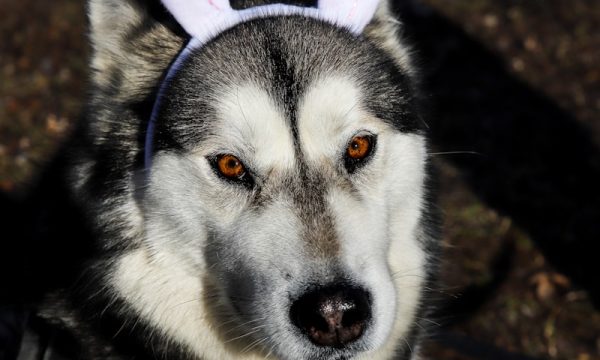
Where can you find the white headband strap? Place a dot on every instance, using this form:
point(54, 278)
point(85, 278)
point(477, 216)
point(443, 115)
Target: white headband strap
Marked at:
point(203, 19)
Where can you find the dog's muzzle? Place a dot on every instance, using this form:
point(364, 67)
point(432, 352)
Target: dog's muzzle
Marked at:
point(332, 316)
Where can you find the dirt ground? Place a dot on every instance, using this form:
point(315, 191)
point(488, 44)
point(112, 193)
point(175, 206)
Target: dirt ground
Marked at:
point(506, 292)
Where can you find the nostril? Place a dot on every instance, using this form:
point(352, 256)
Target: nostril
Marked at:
point(332, 316)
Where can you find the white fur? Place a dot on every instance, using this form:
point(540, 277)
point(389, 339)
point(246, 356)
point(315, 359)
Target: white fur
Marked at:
point(252, 124)
point(167, 280)
point(170, 298)
point(379, 236)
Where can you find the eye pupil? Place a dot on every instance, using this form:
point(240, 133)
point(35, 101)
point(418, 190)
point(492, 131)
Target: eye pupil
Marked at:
point(232, 163)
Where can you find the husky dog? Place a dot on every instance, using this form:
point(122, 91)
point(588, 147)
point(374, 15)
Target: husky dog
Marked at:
point(249, 181)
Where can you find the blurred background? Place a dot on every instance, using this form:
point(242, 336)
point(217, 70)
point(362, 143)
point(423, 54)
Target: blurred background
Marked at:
point(513, 103)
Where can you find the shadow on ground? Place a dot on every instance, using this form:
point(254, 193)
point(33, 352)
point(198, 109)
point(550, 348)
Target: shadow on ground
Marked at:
point(534, 162)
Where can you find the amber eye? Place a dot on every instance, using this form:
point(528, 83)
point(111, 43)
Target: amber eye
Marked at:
point(359, 147)
point(359, 151)
point(230, 167)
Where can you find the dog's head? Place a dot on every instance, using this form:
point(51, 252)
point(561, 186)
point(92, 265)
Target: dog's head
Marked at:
point(284, 210)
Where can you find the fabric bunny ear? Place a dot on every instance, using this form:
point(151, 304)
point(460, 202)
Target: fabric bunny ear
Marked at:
point(203, 19)
point(352, 14)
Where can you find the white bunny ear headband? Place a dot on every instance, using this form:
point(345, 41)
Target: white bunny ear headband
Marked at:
point(205, 19)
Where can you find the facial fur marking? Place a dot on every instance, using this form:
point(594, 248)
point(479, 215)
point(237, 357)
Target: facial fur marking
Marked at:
point(286, 86)
point(319, 230)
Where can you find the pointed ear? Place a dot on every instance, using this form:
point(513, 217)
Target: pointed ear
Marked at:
point(133, 43)
point(352, 14)
point(385, 31)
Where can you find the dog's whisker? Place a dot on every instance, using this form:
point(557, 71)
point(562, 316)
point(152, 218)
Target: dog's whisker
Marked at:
point(253, 345)
point(240, 326)
point(428, 321)
point(455, 153)
point(254, 330)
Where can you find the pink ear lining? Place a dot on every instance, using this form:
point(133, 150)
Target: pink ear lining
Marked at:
point(219, 6)
point(352, 14)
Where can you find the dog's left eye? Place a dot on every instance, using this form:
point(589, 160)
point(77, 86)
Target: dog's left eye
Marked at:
point(231, 168)
point(359, 151)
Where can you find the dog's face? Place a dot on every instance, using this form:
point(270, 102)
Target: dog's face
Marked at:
point(283, 211)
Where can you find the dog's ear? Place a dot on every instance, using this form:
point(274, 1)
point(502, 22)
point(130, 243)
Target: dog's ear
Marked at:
point(133, 43)
point(385, 32)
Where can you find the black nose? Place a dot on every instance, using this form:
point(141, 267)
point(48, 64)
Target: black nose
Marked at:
point(332, 316)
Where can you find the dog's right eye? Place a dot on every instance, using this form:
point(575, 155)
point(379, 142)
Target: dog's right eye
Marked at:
point(358, 151)
point(231, 168)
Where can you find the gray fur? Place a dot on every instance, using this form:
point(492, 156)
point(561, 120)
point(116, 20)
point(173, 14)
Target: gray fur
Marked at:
point(254, 249)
